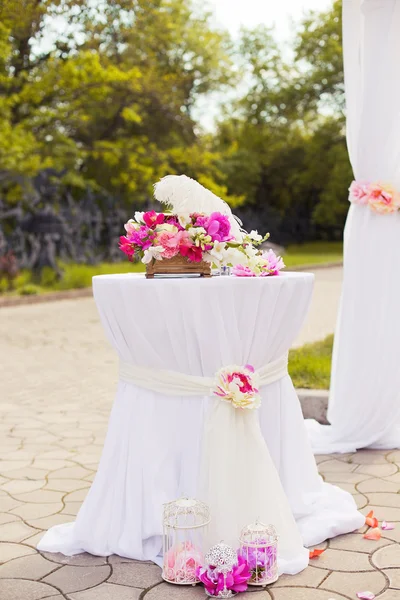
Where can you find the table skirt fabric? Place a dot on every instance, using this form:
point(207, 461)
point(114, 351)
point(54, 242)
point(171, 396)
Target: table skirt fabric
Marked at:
point(152, 452)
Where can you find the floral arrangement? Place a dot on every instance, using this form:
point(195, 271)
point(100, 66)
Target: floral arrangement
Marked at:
point(381, 198)
point(181, 563)
point(216, 582)
point(261, 560)
point(198, 237)
point(238, 385)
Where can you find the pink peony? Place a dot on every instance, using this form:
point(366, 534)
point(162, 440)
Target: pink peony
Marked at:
point(358, 192)
point(152, 219)
point(218, 227)
point(383, 198)
point(171, 242)
point(242, 271)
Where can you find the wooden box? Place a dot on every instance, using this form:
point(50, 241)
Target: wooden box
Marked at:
point(178, 265)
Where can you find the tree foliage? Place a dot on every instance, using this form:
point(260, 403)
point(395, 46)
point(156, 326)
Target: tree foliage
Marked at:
point(105, 92)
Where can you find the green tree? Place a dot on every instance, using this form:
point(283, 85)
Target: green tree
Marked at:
point(108, 95)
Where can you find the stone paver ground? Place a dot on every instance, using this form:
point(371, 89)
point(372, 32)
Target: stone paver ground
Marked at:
point(58, 379)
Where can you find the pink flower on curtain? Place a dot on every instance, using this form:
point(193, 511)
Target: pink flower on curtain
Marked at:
point(358, 192)
point(383, 198)
point(238, 385)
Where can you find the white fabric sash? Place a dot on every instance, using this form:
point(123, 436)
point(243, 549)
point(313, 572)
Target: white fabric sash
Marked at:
point(238, 479)
point(173, 383)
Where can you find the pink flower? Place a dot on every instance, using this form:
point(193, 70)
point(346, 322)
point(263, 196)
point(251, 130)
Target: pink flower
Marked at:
point(143, 237)
point(383, 199)
point(358, 192)
point(192, 252)
point(171, 241)
point(152, 219)
point(173, 220)
point(218, 227)
point(236, 580)
point(182, 561)
point(126, 246)
point(242, 271)
point(274, 264)
point(238, 386)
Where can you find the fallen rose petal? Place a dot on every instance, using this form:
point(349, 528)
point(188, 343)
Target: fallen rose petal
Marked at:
point(366, 595)
point(387, 526)
point(370, 520)
point(373, 534)
point(317, 552)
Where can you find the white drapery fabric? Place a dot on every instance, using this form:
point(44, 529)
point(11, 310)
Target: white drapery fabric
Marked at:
point(232, 441)
point(153, 448)
point(364, 405)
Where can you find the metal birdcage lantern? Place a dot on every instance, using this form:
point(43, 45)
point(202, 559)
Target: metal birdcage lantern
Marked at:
point(185, 523)
point(259, 547)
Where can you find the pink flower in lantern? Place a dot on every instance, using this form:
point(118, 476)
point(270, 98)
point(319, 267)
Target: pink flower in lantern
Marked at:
point(182, 562)
point(238, 385)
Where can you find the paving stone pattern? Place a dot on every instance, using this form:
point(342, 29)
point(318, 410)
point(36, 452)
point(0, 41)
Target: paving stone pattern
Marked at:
point(58, 379)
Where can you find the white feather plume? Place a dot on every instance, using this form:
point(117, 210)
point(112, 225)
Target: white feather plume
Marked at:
point(183, 195)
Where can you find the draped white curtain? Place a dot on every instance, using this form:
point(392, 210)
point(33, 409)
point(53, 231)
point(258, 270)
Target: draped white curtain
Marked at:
point(364, 405)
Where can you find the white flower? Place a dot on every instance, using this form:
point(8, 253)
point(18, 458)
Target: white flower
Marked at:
point(255, 236)
point(152, 252)
point(139, 217)
point(234, 257)
point(217, 254)
point(166, 227)
point(196, 231)
point(184, 220)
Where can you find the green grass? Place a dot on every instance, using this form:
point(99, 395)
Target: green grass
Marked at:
point(313, 253)
point(76, 276)
point(310, 365)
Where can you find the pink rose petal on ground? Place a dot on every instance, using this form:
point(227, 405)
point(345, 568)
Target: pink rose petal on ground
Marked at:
point(366, 595)
point(387, 526)
point(373, 534)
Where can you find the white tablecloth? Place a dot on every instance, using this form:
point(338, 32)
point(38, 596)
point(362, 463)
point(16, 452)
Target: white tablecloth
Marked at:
point(152, 450)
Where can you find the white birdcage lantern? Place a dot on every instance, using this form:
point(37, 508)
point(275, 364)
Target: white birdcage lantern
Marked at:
point(185, 523)
point(259, 547)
